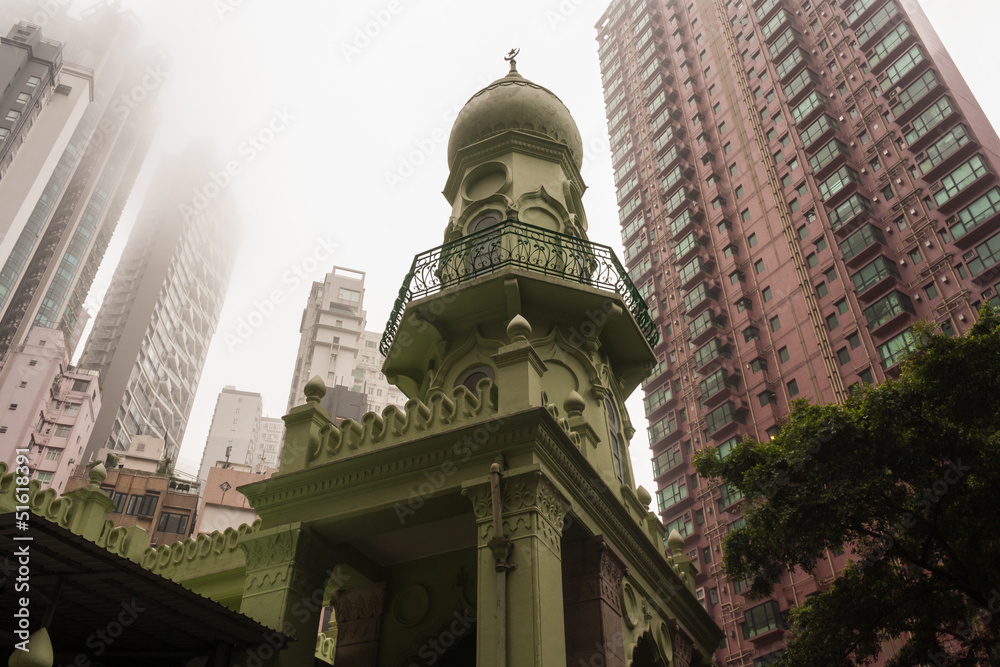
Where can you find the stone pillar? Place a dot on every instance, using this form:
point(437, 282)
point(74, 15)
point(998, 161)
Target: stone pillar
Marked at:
point(683, 649)
point(91, 506)
point(533, 515)
point(592, 582)
point(359, 625)
point(286, 576)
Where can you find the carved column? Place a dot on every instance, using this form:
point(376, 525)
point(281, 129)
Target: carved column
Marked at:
point(592, 582)
point(533, 515)
point(359, 624)
point(285, 581)
point(683, 649)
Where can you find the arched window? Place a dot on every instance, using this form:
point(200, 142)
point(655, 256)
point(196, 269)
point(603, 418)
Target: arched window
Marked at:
point(484, 220)
point(470, 378)
point(614, 426)
point(485, 252)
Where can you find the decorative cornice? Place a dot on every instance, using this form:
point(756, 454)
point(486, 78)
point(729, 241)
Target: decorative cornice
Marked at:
point(503, 142)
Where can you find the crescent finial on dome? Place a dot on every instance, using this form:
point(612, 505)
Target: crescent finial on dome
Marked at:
point(510, 58)
point(515, 103)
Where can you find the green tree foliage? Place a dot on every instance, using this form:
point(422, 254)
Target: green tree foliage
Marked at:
point(907, 474)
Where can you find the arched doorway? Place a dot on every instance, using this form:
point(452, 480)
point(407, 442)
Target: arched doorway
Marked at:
point(645, 654)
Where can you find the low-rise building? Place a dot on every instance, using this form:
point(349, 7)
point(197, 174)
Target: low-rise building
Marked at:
point(222, 505)
point(163, 506)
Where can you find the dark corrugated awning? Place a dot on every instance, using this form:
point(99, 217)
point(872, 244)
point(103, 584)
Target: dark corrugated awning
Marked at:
point(110, 610)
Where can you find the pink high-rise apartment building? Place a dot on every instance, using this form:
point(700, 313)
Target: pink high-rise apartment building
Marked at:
point(47, 407)
point(799, 182)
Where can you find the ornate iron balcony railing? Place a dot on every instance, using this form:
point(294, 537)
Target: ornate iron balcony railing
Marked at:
point(513, 243)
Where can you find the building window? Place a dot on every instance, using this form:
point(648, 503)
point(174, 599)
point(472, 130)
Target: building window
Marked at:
point(793, 389)
point(766, 294)
point(752, 240)
point(775, 323)
point(13, 406)
point(12, 115)
point(761, 619)
point(769, 659)
point(349, 295)
point(783, 354)
point(758, 266)
point(172, 523)
point(141, 505)
point(33, 362)
point(671, 494)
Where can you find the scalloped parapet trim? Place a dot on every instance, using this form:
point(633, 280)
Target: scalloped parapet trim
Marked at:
point(326, 648)
point(127, 542)
point(167, 558)
point(47, 504)
point(393, 426)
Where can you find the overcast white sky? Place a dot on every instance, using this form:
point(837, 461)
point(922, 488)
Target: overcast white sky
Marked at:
point(361, 164)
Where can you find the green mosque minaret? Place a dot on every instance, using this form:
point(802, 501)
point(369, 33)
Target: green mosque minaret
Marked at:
point(494, 520)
